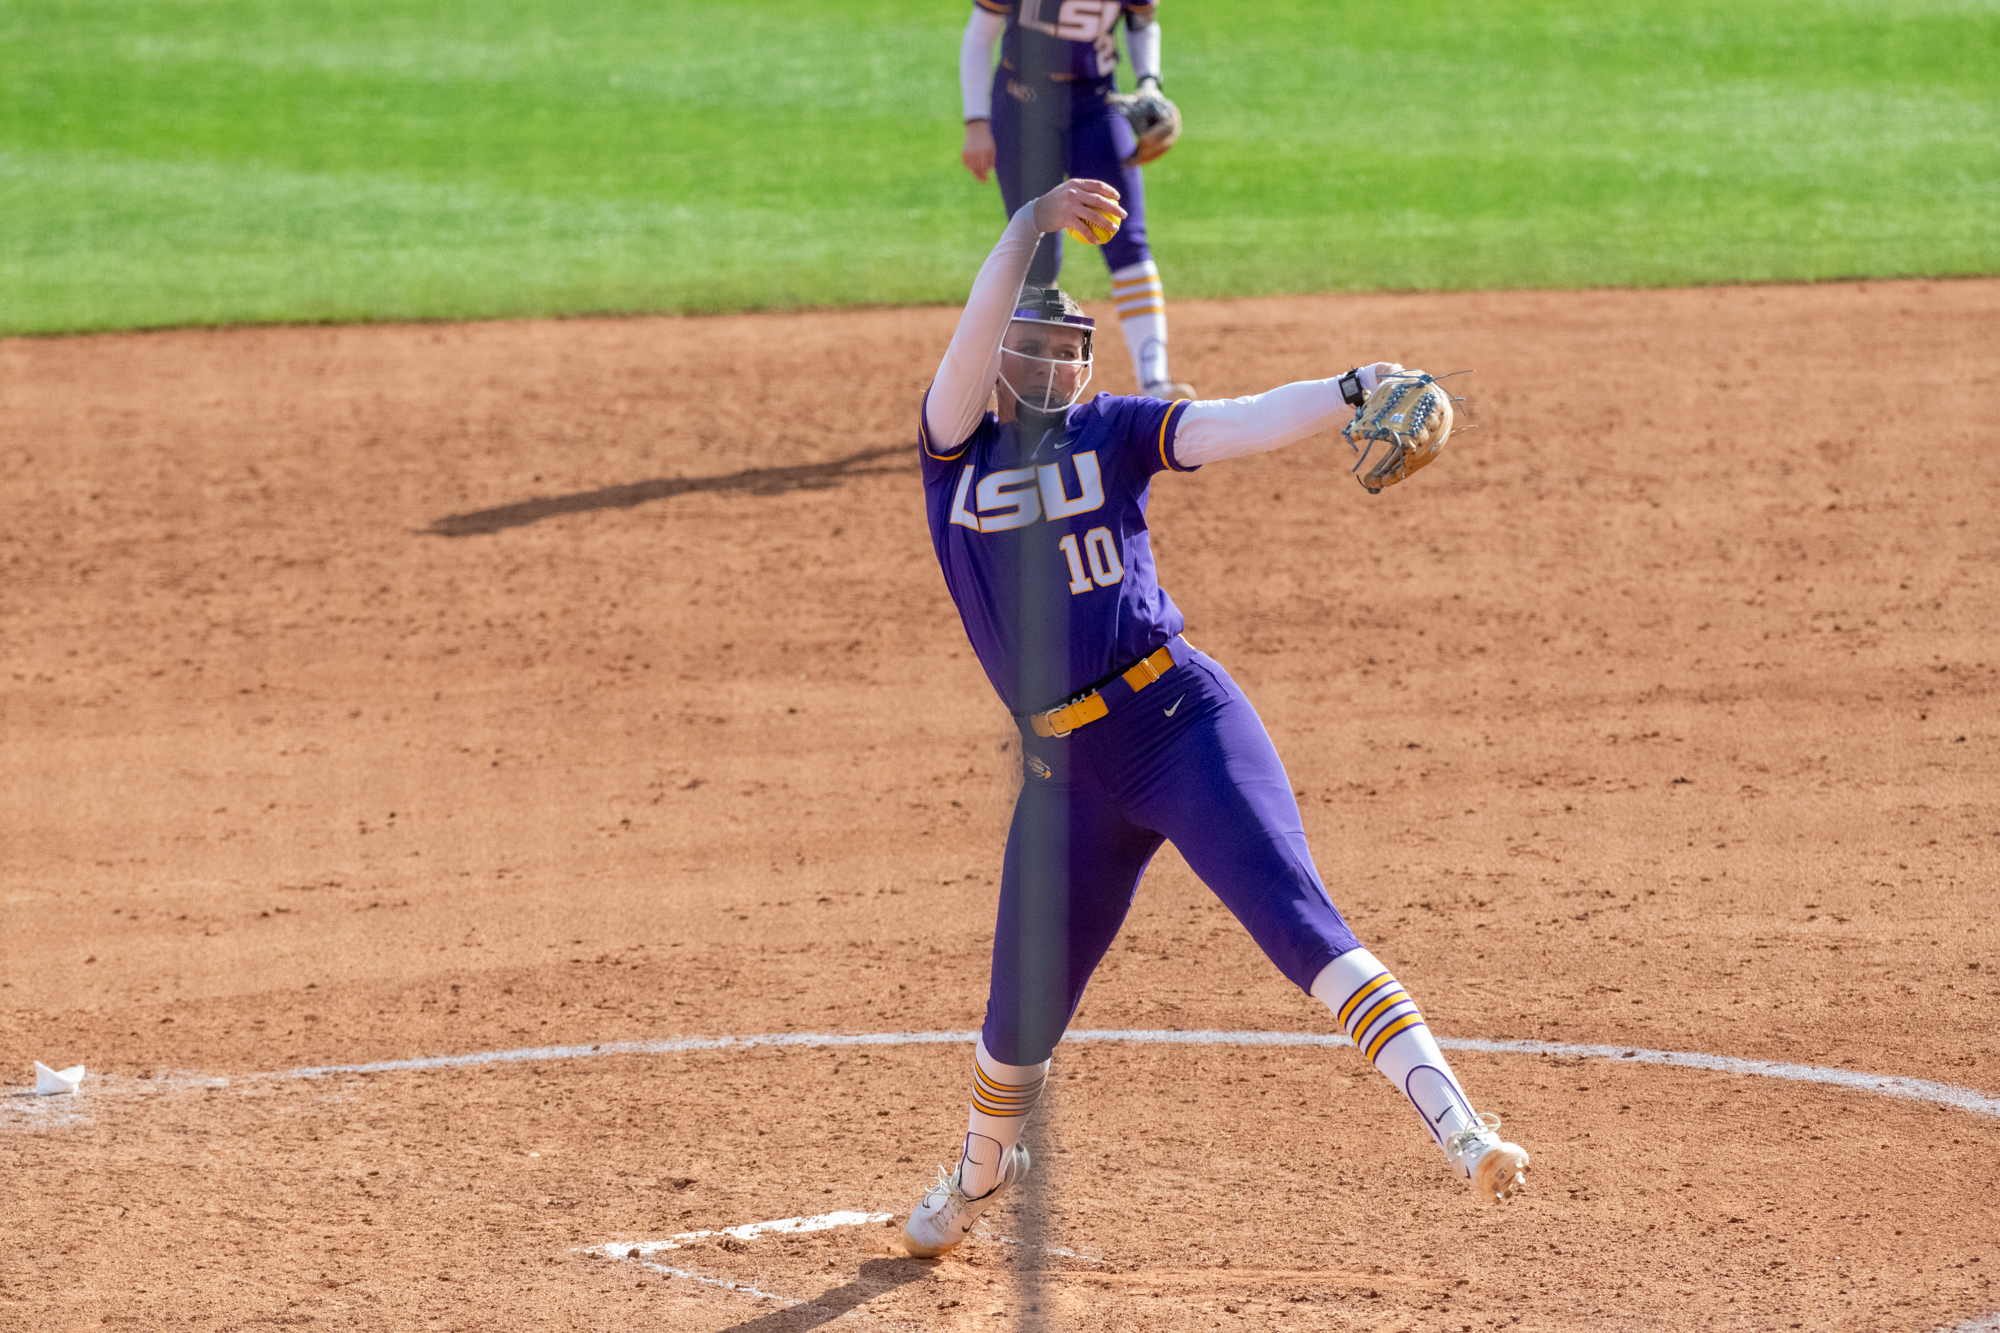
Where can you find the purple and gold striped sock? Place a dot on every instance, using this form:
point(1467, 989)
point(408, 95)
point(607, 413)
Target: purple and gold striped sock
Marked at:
point(1142, 318)
point(1002, 1096)
point(1385, 1025)
point(1376, 1012)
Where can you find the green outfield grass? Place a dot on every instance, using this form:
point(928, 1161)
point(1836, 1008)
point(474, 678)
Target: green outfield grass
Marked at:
point(194, 161)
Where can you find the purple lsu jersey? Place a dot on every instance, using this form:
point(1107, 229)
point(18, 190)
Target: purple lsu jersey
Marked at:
point(1064, 39)
point(1045, 551)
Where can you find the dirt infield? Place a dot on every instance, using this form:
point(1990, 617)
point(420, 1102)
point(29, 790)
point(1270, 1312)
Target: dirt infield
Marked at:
point(381, 693)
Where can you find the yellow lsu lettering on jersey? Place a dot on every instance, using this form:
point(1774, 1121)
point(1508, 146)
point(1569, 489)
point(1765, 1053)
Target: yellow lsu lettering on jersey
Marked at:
point(1015, 497)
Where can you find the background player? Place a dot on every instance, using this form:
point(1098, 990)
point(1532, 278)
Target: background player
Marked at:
point(1129, 735)
point(1044, 114)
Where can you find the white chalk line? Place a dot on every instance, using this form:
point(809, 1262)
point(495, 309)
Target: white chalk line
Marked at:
point(789, 1226)
point(645, 1253)
point(648, 1046)
point(646, 1249)
point(743, 1287)
point(1884, 1085)
point(1907, 1089)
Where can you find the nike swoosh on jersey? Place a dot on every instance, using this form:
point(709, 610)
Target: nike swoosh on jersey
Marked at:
point(1177, 703)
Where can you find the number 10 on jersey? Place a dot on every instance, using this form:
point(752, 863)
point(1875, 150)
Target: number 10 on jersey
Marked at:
point(1099, 553)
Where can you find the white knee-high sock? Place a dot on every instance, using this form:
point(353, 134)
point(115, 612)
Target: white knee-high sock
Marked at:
point(1377, 1013)
point(1002, 1096)
point(1142, 317)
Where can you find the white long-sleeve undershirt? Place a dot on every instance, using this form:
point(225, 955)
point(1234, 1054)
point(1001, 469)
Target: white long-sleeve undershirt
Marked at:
point(971, 364)
point(1142, 42)
point(1208, 431)
point(975, 62)
point(1232, 427)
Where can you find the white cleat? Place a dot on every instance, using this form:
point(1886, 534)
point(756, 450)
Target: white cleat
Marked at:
point(1496, 1168)
point(1171, 391)
point(944, 1216)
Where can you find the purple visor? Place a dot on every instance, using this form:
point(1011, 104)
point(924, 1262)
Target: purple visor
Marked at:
point(1030, 315)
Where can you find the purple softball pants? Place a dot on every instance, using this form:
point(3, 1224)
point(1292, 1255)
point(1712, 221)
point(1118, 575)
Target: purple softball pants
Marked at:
point(1045, 133)
point(1188, 760)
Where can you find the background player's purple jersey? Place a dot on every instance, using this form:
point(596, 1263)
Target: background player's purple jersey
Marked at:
point(1069, 39)
point(1046, 551)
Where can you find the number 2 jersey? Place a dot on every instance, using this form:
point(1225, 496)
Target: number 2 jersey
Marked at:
point(1045, 549)
point(1069, 40)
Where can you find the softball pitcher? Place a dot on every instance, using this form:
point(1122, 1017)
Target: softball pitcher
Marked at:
point(1051, 110)
point(1130, 736)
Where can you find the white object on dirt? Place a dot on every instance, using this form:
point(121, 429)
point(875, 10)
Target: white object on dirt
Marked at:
point(49, 1082)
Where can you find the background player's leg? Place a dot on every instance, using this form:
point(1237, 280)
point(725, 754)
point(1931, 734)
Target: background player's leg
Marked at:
point(1215, 786)
point(1030, 156)
point(1142, 318)
point(1097, 147)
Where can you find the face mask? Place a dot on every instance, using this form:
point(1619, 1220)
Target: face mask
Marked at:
point(1047, 399)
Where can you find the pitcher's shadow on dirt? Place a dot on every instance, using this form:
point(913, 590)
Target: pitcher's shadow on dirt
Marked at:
point(877, 1277)
point(754, 481)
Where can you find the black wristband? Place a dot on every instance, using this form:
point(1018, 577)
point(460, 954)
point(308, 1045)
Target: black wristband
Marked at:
point(1351, 391)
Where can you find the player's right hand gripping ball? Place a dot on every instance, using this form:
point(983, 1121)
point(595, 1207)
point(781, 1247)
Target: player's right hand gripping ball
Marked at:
point(1399, 429)
point(1092, 234)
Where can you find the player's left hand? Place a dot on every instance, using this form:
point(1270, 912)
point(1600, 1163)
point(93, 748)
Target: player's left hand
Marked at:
point(1374, 374)
point(1155, 121)
point(1401, 427)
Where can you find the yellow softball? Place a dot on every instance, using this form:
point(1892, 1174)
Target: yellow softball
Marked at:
point(1092, 234)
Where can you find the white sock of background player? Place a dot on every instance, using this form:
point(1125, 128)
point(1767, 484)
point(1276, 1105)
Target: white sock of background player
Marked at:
point(1377, 1013)
point(1002, 1096)
point(1142, 317)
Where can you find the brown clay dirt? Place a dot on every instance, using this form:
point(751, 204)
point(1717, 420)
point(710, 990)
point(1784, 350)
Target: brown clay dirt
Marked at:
point(376, 693)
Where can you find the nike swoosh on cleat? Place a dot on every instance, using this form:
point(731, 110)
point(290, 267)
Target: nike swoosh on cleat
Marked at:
point(1177, 703)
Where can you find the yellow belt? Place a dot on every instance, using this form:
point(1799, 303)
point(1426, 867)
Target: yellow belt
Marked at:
point(1060, 722)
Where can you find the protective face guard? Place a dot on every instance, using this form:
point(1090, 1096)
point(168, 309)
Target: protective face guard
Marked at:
point(1046, 401)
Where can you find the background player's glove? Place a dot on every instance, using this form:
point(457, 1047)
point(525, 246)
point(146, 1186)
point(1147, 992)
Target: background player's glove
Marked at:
point(1154, 120)
point(1398, 429)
